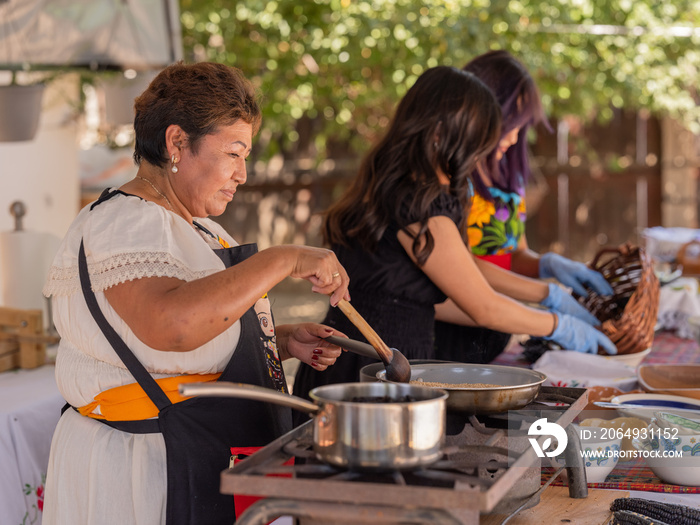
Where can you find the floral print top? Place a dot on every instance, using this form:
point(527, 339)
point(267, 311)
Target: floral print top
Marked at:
point(495, 227)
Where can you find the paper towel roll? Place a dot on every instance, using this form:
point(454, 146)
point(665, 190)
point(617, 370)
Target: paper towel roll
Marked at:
point(25, 258)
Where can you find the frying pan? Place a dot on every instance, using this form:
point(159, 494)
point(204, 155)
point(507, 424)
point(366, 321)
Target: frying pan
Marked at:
point(368, 373)
point(517, 387)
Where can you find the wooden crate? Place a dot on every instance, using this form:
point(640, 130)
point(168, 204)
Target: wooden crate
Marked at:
point(9, 354)
point(22, 339)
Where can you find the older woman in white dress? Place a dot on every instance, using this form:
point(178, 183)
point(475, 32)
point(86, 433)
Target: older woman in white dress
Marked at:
point(148, 293)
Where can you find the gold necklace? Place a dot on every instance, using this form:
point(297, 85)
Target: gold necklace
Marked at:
point(157, 191)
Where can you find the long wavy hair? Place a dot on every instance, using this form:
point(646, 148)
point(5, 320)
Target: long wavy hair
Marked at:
point(519, 98)
point(448, 120)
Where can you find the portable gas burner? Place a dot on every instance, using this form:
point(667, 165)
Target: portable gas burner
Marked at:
point(488, 466)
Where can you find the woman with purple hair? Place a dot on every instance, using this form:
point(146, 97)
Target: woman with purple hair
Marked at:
point(495, 224)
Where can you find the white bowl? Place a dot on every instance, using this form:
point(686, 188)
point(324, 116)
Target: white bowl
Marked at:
point(684, 425)
point(670, 439)
point(674, 470)
point(632, 360)
point(600, 459)
point(682, 406)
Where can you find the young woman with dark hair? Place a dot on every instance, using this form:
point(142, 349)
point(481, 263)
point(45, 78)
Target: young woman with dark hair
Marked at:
point(399, 232)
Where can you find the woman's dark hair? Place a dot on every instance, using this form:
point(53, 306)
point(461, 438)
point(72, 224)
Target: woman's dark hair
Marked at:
point(447, 120)
point(521, 107)
point(199, 98)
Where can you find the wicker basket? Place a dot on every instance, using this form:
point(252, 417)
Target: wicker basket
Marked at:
point(628, 317)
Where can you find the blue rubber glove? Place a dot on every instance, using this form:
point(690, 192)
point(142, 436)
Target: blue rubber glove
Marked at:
point(573, 334)
point(560, 301)
point(573, 274)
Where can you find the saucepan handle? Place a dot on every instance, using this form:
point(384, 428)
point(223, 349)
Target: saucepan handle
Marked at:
point(244, 391)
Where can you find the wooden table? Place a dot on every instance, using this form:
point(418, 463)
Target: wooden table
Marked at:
point(557, 507)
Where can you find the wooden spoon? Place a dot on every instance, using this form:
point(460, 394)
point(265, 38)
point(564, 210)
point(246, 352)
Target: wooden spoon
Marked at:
point(397, 366)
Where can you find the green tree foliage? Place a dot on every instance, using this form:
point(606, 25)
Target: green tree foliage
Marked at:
point(340, 66)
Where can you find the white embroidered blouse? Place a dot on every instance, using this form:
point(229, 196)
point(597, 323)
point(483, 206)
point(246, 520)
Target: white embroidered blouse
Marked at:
point(127, 238)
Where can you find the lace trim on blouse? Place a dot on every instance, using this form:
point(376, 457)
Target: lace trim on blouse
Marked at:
point(118, 269)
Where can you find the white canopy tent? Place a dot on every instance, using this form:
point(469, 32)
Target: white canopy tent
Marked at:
point(97, 34)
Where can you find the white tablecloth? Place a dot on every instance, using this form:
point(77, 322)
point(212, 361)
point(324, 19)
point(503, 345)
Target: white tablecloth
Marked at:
point(30, 406)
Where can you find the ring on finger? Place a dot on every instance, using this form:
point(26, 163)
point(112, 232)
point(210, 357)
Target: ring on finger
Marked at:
point(336, 274)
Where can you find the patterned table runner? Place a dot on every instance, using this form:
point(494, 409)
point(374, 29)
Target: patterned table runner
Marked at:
point(628, 475)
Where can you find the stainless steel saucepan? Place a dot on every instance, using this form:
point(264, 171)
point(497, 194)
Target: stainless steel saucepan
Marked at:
point(513, 387)
point(375, 426)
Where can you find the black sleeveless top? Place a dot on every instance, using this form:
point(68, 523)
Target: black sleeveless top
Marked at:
point(393, 295)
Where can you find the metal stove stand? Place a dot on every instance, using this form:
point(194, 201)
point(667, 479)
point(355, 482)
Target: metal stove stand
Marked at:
point(486, 467)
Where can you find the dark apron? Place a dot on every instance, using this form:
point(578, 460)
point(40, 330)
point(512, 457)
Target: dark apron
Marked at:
point(199, 432)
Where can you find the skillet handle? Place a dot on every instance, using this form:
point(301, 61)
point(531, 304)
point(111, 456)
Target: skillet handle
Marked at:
point(352, 345)
point(244, 391)
point(385, 353)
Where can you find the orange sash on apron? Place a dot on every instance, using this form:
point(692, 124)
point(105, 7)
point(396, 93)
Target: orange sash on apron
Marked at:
point(130, 402)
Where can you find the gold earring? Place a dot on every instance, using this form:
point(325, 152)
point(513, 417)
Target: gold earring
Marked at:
point(173, 160)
